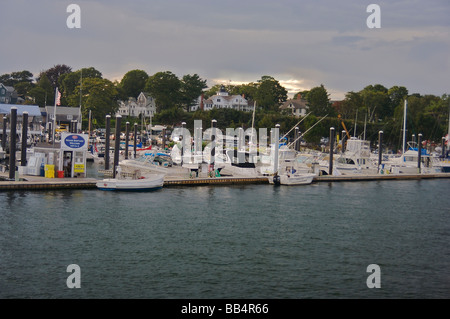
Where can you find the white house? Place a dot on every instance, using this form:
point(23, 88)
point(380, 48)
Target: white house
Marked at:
point(144, 104)
point(222, 100)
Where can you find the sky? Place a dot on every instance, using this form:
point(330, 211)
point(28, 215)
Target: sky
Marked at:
point(302, 44)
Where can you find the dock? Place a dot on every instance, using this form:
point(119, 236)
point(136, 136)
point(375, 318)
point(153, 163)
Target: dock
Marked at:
point(42, 183)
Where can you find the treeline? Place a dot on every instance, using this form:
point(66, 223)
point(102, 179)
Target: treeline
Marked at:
point(363, 113)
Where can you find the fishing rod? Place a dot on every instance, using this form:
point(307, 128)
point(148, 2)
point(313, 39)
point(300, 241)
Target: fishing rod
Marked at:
point(295, 126)
point(289, 145)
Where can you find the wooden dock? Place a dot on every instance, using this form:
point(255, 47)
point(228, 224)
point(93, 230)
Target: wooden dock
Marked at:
point(42, 183)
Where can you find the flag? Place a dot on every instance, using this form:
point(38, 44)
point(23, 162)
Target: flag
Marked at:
point(58, 97)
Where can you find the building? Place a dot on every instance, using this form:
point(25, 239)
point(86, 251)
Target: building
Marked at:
point(144, 105)
point(34, 120)
point(64, 116)
point(8, 94)
point(297, 107)
point(222, 100)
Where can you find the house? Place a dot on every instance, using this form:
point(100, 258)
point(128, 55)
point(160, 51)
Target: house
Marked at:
point(222, 100)
point(8, 94)
point(64, 115)
point(297, 107)
point(144, 104)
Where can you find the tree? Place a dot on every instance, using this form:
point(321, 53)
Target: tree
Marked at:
point(49, 92)
point(16, 77)
point(55, 72)
point(248, 91)
point(191, 88)
point(351, 105)
point(270, 94)
point(377, 102)
point(397, 94)
point(133, 83)
point(164, 87)
point(39, 95)
point(69, 81)
point(98, 96)
point(319, 101)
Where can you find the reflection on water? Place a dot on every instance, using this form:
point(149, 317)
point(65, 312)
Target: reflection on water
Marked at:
point(252, 241)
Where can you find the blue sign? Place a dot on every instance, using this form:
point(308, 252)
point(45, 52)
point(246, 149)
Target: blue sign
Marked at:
point(74, 141)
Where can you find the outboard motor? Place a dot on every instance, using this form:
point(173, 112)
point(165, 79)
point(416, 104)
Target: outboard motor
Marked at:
point(276, 179)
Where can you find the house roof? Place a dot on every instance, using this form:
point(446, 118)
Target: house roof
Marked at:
point(295, 103)
point(33, 110)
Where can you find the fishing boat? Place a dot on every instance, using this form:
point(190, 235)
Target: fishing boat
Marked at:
point(142, 183)
point(292, 177)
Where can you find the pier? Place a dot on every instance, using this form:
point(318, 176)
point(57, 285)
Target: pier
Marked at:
point(32, 183)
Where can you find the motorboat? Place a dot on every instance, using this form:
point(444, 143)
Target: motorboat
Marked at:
point(292, 177)
point(142, 183)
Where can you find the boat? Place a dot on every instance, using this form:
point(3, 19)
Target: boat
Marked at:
point(142, 183)
point(292, 177)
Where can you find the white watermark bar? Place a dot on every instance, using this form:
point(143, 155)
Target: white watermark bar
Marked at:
point(246, 145)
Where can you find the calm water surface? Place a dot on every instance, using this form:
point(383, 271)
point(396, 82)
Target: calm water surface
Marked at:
point(254, 241)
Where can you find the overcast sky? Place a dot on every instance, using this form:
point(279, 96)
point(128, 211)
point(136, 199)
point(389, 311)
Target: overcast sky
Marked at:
point(302, 44)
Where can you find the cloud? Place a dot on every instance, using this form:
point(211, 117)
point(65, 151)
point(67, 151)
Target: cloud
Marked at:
point(301, 43)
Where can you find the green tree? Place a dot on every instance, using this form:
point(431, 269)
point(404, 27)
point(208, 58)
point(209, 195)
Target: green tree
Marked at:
point(397, 95)
point(164, 87)
point(133, 83)
point(39, 95)
point(68, 83)
point(191, 88)
point(377, 102)
point(55, 72)
point(99, 96)
point(49, 91)
point(270, 94)
point(16, 77)
point(319, 101)
point(352, 104)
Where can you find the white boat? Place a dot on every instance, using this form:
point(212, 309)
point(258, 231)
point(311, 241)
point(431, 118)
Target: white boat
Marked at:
point(292, 178)
point(143, 183)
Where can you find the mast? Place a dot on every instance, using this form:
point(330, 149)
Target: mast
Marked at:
point(253, 120)
point(365, 122)
point(404, 126)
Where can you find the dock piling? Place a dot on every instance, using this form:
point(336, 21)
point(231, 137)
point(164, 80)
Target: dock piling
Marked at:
point(23, 158)
point(380, 149)
point(127, 133)
point(12, 144)
point(330, 167)
point(107, 141)
point(419, 153)
point(135, 139)
point(117, 144)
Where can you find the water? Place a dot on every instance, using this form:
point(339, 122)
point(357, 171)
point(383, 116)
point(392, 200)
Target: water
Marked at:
point(253, 241)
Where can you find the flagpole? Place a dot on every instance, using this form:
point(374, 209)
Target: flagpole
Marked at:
point(54, 116)
point(79, 114)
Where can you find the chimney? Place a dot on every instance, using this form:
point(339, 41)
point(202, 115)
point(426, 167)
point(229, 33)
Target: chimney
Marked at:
point(201, 102)
point(299, 96)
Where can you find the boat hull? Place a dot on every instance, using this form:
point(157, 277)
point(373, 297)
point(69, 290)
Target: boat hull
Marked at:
point(143, 184)
point(293, 179)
